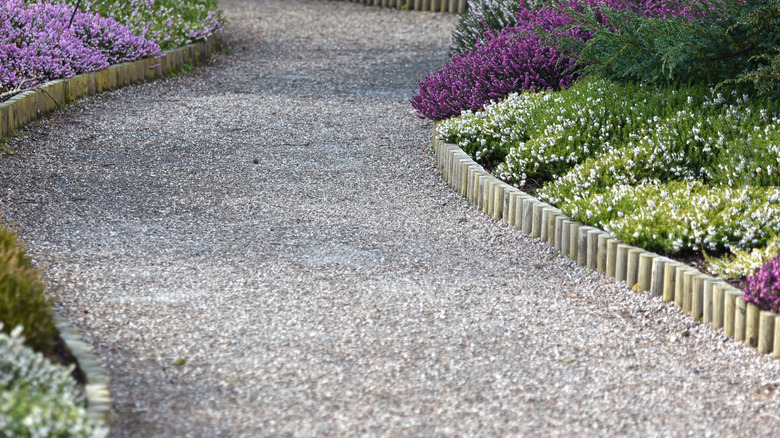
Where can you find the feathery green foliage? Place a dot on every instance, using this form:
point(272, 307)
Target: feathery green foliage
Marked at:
point(732, 41)
point(760, 20)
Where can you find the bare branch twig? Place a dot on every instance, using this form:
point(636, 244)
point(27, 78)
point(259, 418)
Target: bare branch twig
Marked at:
point(18, 89)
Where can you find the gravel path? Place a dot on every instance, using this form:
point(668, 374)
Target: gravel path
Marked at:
point(336, 286)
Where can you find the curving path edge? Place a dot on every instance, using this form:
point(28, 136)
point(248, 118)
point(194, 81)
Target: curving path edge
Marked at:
point(36, 103)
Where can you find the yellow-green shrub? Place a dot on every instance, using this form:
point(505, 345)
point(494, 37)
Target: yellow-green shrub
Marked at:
point(22, 298)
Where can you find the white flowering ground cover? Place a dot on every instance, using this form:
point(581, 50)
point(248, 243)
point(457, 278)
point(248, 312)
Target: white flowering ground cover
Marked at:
point(674, 170)
point(38, 397)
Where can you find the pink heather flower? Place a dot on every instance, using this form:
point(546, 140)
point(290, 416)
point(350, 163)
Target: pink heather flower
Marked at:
point(763, 287)
point(36, 42)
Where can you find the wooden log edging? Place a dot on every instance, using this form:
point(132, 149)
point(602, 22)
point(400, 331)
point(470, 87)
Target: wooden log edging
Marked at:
point(705, 298)
point(32, 104)
point(96, 388)
point(451, 6)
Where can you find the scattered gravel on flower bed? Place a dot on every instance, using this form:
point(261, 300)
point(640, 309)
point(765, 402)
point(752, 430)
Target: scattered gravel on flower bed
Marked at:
point(338, 286)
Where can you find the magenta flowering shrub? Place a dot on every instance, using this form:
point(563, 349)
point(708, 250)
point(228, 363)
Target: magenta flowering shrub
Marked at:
point(763, 287)
point(36, 44)
point(511, 60)
point(517, 58)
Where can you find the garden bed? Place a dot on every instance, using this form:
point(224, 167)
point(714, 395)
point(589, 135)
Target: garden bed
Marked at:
point(675, 170)
point(677, 173)
point(48, 40)
point(656, 122)
point(704, 297)
point(31, 104)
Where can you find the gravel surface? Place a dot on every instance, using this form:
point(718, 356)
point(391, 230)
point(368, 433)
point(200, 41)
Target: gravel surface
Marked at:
point(275, 220)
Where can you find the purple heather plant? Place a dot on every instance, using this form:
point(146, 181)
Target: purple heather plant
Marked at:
point(511, 60)
point(36, 44)
point(763, 287)
point(516, 58)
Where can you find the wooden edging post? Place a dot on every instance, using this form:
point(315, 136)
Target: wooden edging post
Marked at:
point(469, 181)
point(528, 215)
point(459, 158)
point(730, 311)
point(445, 169)
point(552, 219)
point(632, 267)
point(645, 271)
point(670, 275)
point(473, 177)
point(498, 201)
point(566, 236)
point(709, 299)
point(574, 238)
point(601, 255)
point(4, 115)
point(718, 305)
point(510, 208)
point(506, 212)
point(582, 244)
point(520, 200)
point(463, 177)
point(591, 261)
point(766, 332)
point(559, 227)
point(740, 314)
point(488, 188)
point(697, 296)
point(776, 348)
point(687, 289)
point(483, 192)
point(752, 319)
point(547, 210)
point(621, 262)
point(612, 256)
point(536, 225)
point(658, 276)
point(480, 176)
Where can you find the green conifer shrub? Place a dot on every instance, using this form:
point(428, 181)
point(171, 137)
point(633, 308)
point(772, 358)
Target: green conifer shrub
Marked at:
point(725, 41)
